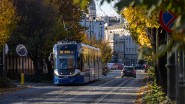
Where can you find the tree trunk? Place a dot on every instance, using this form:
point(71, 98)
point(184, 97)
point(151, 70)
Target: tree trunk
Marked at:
point(37, 67)
point(50, 70)
point(157, 38)
point(161, 62)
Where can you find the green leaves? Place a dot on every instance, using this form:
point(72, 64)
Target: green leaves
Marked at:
point(155, 95)
point(70, 18)
point(83, 3)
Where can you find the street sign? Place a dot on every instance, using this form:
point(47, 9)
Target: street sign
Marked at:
point(21, 50)
point(167, 19)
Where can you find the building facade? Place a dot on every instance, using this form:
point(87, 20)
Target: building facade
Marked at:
point(125, 50)
point(94, 28)
point(92, 11)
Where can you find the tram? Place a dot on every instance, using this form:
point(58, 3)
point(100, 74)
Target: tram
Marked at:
point(76, 63)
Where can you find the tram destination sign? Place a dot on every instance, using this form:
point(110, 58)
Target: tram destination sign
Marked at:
point(66, 51)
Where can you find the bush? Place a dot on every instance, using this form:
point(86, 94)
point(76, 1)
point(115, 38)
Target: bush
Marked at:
point(154, 95)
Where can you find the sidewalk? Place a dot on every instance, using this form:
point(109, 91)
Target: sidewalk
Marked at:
point(18, 86)
point(11, 89)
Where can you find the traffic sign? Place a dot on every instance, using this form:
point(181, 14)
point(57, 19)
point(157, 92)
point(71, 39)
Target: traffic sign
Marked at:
point(167, 19)
point(21, 50)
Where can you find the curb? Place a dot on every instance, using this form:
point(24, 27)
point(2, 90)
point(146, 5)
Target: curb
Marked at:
point(8, 90)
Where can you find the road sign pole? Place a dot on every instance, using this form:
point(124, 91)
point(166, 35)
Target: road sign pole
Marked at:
point(171, 73)
point(4, 62)
point(22, 74)
point(22, 51)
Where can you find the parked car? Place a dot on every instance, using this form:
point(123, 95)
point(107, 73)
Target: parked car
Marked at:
point(120, 66)
point(128, 71)
point(109, 65)
point(115, 66)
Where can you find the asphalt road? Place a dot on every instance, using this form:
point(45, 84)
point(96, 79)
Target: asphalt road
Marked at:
point(111, 89)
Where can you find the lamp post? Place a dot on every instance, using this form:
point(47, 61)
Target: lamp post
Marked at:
point(124, 51)
point(100, 34)
point(90, 29)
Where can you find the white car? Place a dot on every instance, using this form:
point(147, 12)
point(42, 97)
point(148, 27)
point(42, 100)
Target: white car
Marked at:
point(109, 65)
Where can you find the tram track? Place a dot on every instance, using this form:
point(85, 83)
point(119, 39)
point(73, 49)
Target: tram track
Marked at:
point(70, 91)
point(95, 89)
point(85, 87)
point(111, 89)
point(110, 92)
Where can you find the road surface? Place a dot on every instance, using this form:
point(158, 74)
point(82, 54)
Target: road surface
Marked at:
point(111, 89)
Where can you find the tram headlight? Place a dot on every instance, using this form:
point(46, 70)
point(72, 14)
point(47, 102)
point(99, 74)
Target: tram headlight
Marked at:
point(56, 72)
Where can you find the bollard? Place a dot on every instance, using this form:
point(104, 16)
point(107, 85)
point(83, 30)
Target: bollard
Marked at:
point(22, 78)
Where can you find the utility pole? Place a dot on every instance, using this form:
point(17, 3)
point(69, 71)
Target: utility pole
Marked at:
point(180, 76)
point(171, 73)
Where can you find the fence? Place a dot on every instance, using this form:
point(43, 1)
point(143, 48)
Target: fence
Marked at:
point(15, 65)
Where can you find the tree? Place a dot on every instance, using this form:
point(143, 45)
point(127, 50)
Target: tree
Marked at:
point(43, 23)
point(70, 19)
point(8, 20)
point(36, 30)
point(139, 23)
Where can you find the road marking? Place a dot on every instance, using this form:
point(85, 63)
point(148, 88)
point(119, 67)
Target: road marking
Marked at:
point(97, 87)
point(102, 97)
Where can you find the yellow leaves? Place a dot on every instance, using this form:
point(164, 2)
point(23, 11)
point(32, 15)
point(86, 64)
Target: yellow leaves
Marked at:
point(143, 40)
point(179, 36)
point(139, 21)
point(7, 15)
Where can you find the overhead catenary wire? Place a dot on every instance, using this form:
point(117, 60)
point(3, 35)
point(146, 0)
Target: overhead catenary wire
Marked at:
point(101, 9)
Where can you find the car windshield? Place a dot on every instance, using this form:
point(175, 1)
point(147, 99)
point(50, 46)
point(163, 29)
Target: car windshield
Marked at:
point(66, 61)
point(129, 68)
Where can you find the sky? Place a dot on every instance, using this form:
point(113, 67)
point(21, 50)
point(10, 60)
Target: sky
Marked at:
point(105, 9)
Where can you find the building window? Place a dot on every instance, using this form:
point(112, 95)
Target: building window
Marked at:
point(132, 50)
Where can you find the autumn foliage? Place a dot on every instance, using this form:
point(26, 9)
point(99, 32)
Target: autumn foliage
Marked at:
point(139, 22)
point(7, 20)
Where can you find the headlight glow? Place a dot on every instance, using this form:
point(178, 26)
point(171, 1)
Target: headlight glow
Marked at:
point(56, 72)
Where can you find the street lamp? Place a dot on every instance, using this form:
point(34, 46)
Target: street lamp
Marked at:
point(100, 31)
point(90, 29)
point(124, 42)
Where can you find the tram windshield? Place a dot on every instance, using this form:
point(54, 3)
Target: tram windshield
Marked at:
point(66, 61)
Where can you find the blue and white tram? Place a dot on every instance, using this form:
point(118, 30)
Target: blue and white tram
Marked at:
point(76, 63)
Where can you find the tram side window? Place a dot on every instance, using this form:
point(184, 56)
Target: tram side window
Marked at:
point(88, 59)
point(97, 59)
point(94, 60)
point(91, 60)
point(81, 62)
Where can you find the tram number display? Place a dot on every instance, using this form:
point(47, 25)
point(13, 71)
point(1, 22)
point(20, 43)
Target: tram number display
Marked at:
point(66, 52)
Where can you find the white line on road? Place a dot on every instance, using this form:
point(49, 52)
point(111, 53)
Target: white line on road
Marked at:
point(97, 87)
point(102, 97)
